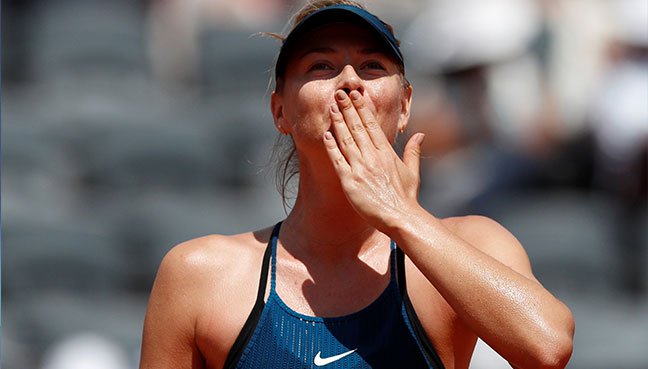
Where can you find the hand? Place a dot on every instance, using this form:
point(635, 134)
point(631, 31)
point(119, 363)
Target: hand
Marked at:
point(378, 184)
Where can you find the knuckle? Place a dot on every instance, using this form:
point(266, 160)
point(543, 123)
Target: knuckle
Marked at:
point(373, 169)
point(339, 161)
point(376, 166)
point(363, 172)
point(357, 127)
point(348, 141)
point(372, 124)
point(339, 125)
point(338, 118)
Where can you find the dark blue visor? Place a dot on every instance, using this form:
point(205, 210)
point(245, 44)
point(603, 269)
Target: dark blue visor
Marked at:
point(332, 14)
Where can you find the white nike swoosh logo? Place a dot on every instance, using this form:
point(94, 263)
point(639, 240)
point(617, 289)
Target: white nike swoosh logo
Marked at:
point(319, 361)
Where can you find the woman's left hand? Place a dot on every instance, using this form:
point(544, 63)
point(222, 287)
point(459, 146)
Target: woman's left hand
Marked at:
point(378, 184)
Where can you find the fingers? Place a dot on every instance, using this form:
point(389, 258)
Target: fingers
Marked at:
point(412, 153)
point(345, 141)
point(353, 121)
point(339, 161)
point(371, 125)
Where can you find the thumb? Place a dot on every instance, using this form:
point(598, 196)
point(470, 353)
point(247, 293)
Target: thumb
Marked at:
point(412, 153)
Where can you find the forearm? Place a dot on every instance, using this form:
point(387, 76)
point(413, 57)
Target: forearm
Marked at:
point(511, 312)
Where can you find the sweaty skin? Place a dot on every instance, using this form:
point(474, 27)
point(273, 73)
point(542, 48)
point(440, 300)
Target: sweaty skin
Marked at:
point(343, 102)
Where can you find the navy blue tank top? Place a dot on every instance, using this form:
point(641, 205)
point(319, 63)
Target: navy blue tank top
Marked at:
point(385, 334)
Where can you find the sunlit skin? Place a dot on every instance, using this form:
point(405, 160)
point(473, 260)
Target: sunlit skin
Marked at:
point(315, 73)
point(319, 69)
point(343, 102)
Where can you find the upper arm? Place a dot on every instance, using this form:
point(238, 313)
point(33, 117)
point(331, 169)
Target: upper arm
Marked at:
point(169, 327)
point(494, 240)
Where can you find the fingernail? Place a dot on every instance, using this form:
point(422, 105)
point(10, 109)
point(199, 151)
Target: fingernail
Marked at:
point(328, 135)
point(420, 138)
point(355, 95)
point(335, 109)
point(340, 95)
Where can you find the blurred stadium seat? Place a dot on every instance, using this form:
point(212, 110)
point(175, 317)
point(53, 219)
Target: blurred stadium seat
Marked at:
point(236, 61)
point(610, 331)
point(39, 319)
point(56, 258)
point(163, 155)
point(73, 38)
point(159, 220)
point(569, 237)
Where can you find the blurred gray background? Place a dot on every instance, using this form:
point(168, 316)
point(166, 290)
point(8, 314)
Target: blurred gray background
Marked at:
point(130, 126)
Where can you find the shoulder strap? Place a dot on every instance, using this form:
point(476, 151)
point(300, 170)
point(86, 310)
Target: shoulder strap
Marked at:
point(272, 246)
point(400, 272)
point(253, 319)
point(392, 263)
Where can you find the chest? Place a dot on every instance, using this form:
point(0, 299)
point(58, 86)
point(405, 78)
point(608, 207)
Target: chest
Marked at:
point(334, 289)
point(225, 313)
point(377, 336)
point(331, 297)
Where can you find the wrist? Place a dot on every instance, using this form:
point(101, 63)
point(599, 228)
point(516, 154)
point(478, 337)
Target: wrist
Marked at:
point(407, 221)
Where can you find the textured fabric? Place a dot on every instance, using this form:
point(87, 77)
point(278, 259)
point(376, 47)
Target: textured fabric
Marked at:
point(378, 336)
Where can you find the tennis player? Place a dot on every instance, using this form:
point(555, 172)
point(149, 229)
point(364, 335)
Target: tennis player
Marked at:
point(358, 275)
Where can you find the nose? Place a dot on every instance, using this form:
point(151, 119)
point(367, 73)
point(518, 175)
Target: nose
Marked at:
point(349, 80)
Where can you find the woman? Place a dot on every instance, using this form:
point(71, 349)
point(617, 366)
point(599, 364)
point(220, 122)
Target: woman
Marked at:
point(334, 290)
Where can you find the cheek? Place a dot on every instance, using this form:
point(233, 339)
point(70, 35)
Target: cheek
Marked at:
point(309, 109)
point(386, 102)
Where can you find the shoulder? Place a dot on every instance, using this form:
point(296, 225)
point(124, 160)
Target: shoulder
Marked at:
point(206, 274)
point(197, 284)
point(212, 256)
point(212, 252)
point(491, 238)
point(195, 271)
point(479, 228)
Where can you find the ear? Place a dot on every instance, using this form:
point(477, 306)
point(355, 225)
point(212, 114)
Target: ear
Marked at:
point(406, 103)
point(276, 106)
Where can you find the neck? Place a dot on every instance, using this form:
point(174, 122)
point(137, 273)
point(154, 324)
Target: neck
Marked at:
point(323, 223)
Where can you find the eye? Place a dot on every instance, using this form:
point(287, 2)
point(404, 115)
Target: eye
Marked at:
point(319, 66)
point(373, 65)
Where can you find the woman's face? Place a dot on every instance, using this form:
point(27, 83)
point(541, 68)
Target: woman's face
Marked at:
point(333, 57)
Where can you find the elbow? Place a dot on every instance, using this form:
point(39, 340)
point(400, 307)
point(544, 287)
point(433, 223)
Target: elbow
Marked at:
point(557, 355)
point(560, 345)
point(557, 350)
point(553, 351)
point(546, 357)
